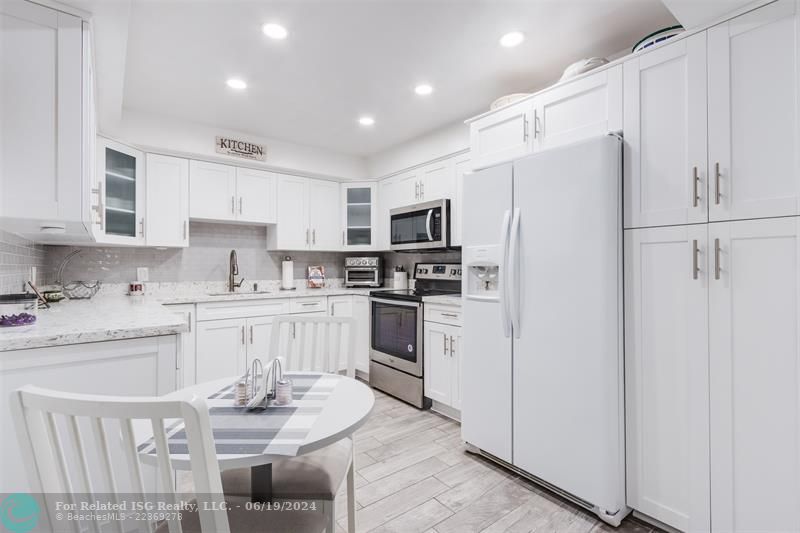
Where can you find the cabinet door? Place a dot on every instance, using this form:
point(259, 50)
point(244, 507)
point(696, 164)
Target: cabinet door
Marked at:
point(40, 105)
point(666, 369)
point(342, 306)
point(438, 363)
point(212, 191)
point(502, 136)
point(407, 189)
point(324, 201)
point(753, 135)
point(387, 196)
point(361, 314)
point(167, 201)
point(455, 368)
point(462, 165)
point(122, 180)
point(359, 216)
point(665, 135)
point(292, 231)
point(187, 349)
point(256, 196)
point(221, 349)
point(259, 332)
point(579, 110)
point(755, 385)
point(437, 180)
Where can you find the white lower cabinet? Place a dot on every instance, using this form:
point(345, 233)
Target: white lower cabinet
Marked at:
point(666, 358)
point(221, 349)
point(712, 358)
point(187, 346)
point(356, 307)
point(442, 368)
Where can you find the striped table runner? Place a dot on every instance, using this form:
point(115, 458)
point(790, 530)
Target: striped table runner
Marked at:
point(278, 430)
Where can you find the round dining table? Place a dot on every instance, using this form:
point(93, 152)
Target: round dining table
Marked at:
point(325, 409)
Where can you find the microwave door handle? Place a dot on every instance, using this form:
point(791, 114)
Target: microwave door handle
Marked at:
point(428, 224)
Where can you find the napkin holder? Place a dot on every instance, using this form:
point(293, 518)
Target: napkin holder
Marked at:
point(263, 383)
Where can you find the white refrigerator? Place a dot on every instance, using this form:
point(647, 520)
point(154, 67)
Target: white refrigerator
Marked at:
point(542, 367)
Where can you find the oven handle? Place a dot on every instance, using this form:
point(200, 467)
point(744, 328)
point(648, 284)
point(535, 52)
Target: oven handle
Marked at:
point(402, 303)
point(428, 224)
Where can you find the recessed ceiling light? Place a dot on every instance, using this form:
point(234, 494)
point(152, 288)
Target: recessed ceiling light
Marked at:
point(366, 121)
point(274, 31)
point(512, 39)
point(423, 89)
point(236, 83)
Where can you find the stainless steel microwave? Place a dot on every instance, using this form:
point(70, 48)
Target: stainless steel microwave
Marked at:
point(424, 226)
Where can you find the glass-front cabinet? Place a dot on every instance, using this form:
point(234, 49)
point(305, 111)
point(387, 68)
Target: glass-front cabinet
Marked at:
point(119, 194)
point(359, 222)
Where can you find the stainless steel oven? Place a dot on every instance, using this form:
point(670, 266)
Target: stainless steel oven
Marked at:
point(424, 226)
point(396, 339)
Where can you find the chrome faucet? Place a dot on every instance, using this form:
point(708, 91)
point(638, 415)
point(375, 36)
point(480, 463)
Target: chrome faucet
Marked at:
point(233, 270)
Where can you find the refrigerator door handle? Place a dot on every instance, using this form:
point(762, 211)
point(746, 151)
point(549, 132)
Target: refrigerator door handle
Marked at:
point(504, 274)
point(513, 268)
point(428, 224)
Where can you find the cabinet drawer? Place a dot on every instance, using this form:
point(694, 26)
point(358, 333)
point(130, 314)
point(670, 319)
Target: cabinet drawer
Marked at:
point(309, 305)
point(443, 314)
point(242, 309)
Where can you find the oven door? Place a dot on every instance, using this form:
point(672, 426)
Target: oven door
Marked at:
point(419, 227)
point(364, 277)
point(396, 334)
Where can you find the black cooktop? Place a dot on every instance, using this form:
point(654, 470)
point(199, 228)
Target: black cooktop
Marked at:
point(414, 295)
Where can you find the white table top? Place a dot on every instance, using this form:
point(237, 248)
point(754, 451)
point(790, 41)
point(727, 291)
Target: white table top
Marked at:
point(343, 412)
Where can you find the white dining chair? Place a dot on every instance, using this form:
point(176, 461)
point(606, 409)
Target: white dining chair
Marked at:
point(53, 436)
point(314, 344)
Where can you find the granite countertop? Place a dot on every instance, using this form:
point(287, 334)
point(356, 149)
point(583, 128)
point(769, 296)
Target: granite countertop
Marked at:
point(443, 300)
point(193, 297)
point(99, 319)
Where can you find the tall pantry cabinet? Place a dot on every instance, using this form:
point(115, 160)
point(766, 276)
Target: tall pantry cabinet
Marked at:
point(712, 251)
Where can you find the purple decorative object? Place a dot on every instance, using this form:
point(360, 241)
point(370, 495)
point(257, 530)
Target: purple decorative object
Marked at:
point(22, 319)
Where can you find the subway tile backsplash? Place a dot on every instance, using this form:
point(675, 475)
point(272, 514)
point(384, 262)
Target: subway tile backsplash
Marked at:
point(17, 256)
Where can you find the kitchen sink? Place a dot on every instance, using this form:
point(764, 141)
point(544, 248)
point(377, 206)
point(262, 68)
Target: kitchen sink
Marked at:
point(238, 292)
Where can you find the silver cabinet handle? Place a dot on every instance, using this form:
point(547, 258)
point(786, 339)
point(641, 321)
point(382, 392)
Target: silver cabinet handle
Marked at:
point(416, 190)
point(307, 236)
point(100, 208)
point(716, 182)
point(716, 259)
point(695, 180)
point(535, 124)
point(242, 335)
point(525, 128)
point(452, 346)
point(141, 227)
point(342, 237)
point(240, 205)
point(190, 321)
point(421, 190)
point(314, 236)
point(251, 334)
point(333, 309)
point(233, 205)
point(309, 304)
point(451, 315)
point(695, 267)
point(444, 337)
point(185, 229)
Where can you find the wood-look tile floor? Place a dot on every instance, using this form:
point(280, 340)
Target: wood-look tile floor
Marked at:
point(413, 474)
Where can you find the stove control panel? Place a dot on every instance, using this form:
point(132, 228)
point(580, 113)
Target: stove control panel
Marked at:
point(438, 271)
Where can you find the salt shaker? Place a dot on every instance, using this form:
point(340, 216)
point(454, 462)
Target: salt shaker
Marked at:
point(283, 392)
point(241, 396)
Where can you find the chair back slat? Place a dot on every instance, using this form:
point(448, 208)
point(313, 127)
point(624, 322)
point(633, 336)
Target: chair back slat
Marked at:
point(330, 339)
point(35, 412)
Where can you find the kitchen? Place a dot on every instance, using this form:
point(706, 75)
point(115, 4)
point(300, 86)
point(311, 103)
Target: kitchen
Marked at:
point(577, 308)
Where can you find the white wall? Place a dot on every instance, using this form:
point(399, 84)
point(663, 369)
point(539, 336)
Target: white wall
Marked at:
point(162, 134)
point(442, 142)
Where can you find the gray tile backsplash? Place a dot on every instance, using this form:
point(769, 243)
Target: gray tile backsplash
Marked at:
point(408, 260)
point(17, 256)
point(206, 259)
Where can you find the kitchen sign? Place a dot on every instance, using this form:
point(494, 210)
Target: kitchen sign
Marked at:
point(247, 150)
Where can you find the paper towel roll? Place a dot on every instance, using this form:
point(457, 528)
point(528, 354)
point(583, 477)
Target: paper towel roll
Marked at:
point(400, 280)
point(287, 275)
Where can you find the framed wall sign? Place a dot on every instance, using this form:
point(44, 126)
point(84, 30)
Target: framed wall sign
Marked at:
point(239, 148)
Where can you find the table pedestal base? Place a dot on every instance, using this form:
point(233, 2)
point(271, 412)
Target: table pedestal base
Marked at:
point(261, 483)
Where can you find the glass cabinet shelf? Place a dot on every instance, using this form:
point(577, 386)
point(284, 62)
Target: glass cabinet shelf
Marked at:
point(358, 216)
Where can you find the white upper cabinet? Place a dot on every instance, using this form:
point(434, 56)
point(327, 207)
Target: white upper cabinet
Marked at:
point(256, 193)
point(437, 181)
point(754, 306)
point(43, 106)
point(359, 216)
point(461, 165)
point(578, 110)
point(323, 215)
point(502, 136)
point(665, 134)
point(121, 186)
point(230, 194)
point(212, 191)
point(753, 82)
point(666, 374)
point(167, 201)
point(307, 215)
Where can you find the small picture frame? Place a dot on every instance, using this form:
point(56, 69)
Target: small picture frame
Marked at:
point(316, 277)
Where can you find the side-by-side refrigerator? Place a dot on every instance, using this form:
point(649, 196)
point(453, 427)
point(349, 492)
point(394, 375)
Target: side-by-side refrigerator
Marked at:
point(542, 356)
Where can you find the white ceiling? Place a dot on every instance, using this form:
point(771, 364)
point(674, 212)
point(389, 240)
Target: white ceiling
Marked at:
point(344, 58)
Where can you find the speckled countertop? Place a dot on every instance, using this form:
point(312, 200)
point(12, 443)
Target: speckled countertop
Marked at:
point(443, 300)
point(99, 319)
point(202, 297)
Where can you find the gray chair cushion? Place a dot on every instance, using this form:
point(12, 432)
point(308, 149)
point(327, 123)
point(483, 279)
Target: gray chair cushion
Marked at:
point(314, 476)
point(256, 521)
